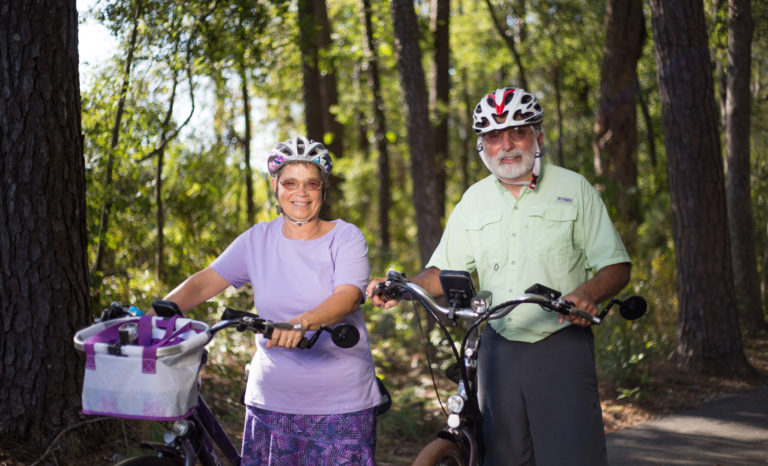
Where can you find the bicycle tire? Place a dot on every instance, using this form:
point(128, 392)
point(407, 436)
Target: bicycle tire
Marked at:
point(148, 461)
point(440, 452)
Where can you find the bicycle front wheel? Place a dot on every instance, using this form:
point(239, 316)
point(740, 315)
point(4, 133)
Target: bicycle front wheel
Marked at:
point(440, 452)
point(148, 461)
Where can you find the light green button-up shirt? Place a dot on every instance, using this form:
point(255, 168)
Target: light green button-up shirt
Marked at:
point(556, 235)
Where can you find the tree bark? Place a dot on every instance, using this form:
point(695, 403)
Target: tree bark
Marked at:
point(43, 237)
point(440, 91)
point(738, 196)
point(250, 208)
point(319, 84)
point(615, 137)
point(558, 111)
point(379, 123)
point(650, 136)
point(708, 330)
point(423, 170)
point(764, 284)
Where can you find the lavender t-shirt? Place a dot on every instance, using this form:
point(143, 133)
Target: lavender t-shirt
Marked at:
point(288, 278)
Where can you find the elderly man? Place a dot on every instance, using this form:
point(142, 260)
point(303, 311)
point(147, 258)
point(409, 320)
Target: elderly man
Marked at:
point(532, 222)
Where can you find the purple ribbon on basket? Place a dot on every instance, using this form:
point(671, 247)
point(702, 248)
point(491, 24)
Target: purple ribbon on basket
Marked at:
point(110, 335)
point(172, 336)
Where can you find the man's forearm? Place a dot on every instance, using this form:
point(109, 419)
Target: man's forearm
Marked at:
point(429, 279)
point(606, 283)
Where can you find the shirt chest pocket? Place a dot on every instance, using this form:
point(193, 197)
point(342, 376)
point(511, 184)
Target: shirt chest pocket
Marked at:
point(487, 240)
point(550, 232)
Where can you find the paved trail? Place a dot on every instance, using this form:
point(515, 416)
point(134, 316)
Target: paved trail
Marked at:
point(729, 431)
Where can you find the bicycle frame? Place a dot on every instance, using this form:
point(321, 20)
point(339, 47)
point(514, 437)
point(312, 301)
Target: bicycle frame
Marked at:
point(464, 424)
point(460, 441)
point(196, 437)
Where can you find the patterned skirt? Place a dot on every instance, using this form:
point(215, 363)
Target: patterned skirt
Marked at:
point(277, 439)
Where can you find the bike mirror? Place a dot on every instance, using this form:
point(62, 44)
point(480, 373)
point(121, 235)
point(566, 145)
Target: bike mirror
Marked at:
point(633, 307)
point(345, 335)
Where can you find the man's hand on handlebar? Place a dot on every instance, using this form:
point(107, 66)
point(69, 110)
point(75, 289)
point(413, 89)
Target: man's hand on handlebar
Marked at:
point(583, 302)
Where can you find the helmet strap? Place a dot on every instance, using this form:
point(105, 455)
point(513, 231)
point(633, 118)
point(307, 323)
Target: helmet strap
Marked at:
point(298, 223)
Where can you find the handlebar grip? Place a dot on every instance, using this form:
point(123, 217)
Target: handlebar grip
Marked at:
point(286, 326)
point(585, 315)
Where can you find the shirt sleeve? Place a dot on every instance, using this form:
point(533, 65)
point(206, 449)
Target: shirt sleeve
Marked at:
point(602, 244)
point(231, 264)
point(351, 265)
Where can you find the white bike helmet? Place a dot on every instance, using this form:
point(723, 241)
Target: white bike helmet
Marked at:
point(504, 108)
point(300, 149)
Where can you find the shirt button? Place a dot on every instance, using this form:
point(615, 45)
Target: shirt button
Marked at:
point(513, 262)
point(495, 267)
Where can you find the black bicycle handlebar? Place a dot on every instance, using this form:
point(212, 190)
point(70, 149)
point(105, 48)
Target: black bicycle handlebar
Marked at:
point(343, 335)
point(396, 286)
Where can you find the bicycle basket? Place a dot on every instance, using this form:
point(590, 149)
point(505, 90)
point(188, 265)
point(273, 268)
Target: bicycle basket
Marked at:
point(153, 377)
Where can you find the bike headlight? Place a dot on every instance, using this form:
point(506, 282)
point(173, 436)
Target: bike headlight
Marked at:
point(455, 404)
point(181, 428)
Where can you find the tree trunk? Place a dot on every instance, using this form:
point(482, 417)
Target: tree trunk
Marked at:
point(615, 135)
point(467, 136)
point(320, 94)
point(509, 40)
point(558, 112)
point(764, 285)
point(160, 214)
point(737, 108)
point(708, 330)
point(98, 263)
point(379, 124)
point(439, 91)
point(250, 208)
point(310, 58)
point(43, 243)
point(650, 136)
point(423, 169)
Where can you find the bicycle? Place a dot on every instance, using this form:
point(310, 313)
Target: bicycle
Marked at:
point(459, 443)
point(200, 437)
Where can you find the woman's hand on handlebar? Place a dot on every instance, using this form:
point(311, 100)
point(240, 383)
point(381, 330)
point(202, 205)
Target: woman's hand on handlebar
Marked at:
point(376, 297)
point(583, 302)
point(286, 338)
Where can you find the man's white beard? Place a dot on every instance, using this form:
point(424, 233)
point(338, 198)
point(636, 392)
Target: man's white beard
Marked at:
point(509, 173)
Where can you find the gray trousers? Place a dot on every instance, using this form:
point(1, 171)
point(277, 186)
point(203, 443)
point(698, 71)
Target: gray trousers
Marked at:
point(539, 400)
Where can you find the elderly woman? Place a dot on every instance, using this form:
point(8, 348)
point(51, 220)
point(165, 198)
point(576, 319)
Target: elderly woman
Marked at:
point(315, 406)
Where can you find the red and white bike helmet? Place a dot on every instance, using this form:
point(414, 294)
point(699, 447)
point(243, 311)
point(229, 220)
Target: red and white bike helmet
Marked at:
point(300, 149)
point(504, 108)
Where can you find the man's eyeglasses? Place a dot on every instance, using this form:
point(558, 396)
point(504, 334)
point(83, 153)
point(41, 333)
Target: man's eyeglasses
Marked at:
point(515, 133)
point(310, 185)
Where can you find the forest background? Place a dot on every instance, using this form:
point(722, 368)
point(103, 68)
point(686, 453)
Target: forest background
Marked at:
point(177, 123)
